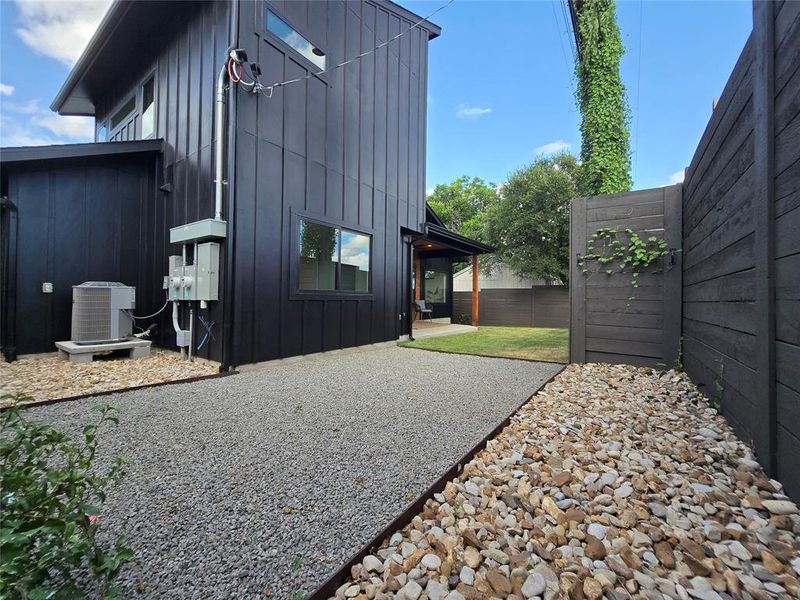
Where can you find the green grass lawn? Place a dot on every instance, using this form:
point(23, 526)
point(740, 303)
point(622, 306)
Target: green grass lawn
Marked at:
point(530, 343)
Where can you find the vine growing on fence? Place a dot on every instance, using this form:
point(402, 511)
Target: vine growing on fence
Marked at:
point(625, 252)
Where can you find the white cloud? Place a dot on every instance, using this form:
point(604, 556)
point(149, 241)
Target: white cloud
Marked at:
point(553, 147)
point(59, 29)
point(676, 177)
point(31, 124)
point(465, 111)
point(6, 90)
point(429, 191)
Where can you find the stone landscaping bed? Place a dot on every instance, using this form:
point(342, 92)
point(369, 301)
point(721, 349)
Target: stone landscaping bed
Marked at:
point(613, 482)
point(48, 377)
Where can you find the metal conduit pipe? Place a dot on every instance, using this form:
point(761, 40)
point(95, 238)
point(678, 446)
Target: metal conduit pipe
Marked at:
point(219, 141)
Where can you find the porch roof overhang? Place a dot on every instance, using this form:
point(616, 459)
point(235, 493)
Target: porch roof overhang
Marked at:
point(435, 241)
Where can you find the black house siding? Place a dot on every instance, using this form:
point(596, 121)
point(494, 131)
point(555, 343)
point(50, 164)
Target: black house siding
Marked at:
point(184, 51)
point(76, 220)
point(347, 146)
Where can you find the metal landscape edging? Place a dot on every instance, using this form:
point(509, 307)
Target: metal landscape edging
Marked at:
point(329, 587)
point(49, 401)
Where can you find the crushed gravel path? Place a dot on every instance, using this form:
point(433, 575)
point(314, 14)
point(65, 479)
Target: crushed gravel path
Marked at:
point(266, 482)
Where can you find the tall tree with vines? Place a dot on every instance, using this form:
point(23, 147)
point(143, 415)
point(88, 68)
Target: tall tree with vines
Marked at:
point(605, 146)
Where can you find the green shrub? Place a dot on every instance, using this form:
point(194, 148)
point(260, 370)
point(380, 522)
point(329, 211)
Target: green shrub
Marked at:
point(51, 498)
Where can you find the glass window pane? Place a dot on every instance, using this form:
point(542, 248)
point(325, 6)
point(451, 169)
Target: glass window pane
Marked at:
point(280, 28)
point(102, 134)
point(123, 112)
point(435, 286)
point(355, 261)
point(148, 109)
point(319, 252)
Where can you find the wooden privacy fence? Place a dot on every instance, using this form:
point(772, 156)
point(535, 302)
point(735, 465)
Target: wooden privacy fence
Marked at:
point(537, 306)
point(741, 231)
point(606, 324)
point(734, 296)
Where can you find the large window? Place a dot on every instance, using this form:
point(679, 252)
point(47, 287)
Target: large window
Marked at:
point(123, 113)
point(435, 287)
point(280, 28)
point(332, 258)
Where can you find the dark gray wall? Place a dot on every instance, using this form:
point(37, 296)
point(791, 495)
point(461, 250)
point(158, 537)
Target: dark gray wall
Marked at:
point(76, 220)
point(605, 325)
point(348, 147)
point(538, 306)
point(185, 48)
point(741, 311)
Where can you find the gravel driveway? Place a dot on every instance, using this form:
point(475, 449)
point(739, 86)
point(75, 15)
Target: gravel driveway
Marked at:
point(271, 479)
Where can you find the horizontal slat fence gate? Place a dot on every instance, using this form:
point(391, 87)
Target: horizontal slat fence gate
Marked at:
point(537, 306)
point(606, 324)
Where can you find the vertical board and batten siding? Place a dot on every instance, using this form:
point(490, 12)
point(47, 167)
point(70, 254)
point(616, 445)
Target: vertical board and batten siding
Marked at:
point(741, 206)
point(537, 306)
point(77, 220)
point(186, 51)
point(606, 326)
point(346, 147)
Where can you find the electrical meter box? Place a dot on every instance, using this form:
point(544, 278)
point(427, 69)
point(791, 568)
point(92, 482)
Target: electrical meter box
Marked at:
point(207, 272)
point(198, 281)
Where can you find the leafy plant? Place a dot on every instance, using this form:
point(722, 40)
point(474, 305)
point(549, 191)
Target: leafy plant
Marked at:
point(297, 562)
point(617, 253)
point(50, 503)
point(605, 135)
point(529, 225)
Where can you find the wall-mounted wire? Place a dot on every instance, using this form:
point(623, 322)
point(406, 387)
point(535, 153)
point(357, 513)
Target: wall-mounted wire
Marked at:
point(266, 90)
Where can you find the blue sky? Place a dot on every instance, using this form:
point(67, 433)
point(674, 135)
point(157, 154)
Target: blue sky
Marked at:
point(501, 88)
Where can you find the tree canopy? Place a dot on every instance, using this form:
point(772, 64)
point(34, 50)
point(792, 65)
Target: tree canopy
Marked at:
point(529, 225)
point(462, 204)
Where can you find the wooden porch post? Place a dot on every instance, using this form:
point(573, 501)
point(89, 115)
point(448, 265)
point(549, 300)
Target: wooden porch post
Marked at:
point(475, 290)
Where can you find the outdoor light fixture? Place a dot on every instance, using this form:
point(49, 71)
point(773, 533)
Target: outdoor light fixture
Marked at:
point(317, 52)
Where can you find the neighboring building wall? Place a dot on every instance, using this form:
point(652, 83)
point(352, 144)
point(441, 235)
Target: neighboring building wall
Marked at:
point(347, 148)
point(77, 220)
point(741, 312)
point(501, 277)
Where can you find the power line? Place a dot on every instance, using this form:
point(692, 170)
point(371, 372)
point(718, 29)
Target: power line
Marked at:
point(267, 89)
point(638, 90)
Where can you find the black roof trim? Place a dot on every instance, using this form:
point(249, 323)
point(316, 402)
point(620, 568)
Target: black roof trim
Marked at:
point(72, 99)
point(458, 242)
point(431, 216)
point(32, 153)
point(102, 34)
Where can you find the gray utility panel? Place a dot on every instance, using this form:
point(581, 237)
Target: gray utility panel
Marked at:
point(198, 281)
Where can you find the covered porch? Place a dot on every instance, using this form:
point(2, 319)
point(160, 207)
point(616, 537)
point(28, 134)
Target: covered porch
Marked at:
point(434, 251)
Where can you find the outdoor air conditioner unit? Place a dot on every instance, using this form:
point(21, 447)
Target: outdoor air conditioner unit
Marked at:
point(98, 312)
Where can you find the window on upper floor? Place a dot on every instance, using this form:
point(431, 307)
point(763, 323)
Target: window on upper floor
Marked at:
point(148, 109)
point(289, 36)
point(123, 113)
point(333, 259)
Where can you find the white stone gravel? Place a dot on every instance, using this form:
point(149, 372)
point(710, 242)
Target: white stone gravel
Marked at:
point(267, 481)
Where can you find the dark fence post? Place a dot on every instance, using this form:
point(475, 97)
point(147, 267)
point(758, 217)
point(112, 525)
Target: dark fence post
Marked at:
point(764, 429)
point(673, 276)
point(577, 282)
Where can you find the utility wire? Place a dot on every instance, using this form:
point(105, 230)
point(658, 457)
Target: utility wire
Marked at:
point(267, 89)
point(638, 89)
